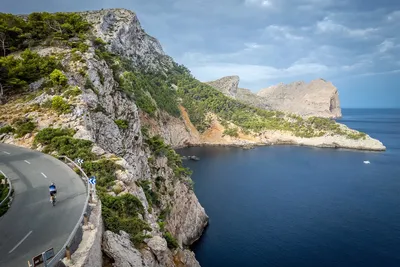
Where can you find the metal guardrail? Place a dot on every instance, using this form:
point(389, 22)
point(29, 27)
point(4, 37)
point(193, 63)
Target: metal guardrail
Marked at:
point(9, 189)
point(61, 254)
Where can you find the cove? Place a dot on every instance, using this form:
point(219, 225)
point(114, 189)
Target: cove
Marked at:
point(302, 206)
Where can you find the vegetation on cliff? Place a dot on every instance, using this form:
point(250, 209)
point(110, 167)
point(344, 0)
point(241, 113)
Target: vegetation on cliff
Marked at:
point(119, 212)
point(18, 33)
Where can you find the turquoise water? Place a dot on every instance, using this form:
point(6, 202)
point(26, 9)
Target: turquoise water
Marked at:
point(300, 206)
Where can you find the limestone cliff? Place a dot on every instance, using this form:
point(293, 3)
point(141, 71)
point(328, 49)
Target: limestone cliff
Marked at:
point(108, 97)
point(317, 98)
point(95, 108)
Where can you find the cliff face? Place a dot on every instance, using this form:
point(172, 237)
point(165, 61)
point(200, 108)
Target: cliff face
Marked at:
point(94, 113)
point(317, 98)
point(121, 30)
point(107, 114)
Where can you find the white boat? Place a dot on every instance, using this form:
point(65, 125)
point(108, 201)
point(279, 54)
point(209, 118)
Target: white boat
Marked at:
point(366, 162)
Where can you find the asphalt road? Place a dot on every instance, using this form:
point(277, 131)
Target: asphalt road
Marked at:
point(32, 225)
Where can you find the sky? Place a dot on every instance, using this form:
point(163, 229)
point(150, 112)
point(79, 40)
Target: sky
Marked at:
point(355, 44)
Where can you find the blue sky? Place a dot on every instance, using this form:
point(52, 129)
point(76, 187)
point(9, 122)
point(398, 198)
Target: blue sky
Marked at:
point(353, 43)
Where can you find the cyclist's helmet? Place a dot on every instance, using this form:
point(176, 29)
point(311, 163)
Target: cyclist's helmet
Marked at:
point(52, 183)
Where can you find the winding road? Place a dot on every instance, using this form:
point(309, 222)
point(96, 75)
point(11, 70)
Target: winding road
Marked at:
point(32, 225)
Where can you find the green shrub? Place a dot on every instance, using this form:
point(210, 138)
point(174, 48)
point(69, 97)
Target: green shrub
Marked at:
point(122, 124)
point(161, 225)
point(6, 129)
point(104, 170)
point(60, 105)
point(17, 73)
point(151, 196)
point(74, 91)
point(99, 42)
point(76, 56)
point(231, 132)
point(61, 141)
point(58, 78)
point(171, 241)
point(24, 126)
point(121, 213)
point(46, 135)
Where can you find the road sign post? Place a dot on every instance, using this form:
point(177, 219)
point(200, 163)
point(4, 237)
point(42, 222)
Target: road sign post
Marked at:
point(92, 184)
point(42, 258)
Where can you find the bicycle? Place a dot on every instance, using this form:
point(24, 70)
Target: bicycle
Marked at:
point(53, 199)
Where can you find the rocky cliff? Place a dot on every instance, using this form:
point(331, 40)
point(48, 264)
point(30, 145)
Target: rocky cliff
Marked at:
point(94, 106)
point(317, 98)
point(106, 92)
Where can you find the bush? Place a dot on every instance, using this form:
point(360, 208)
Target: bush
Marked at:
point(74, 91)
point(171, 241)
point(104, 170)
point(46, 135)
point(17, 73)
point(60, 105)
point(151, 196)
point(122, 124)
point(231, 132)
point(61, 141)
point(58, 78)
point(160, 149)
point(6, 129)
point(121, 213)
point(24, 126)
point(99, 42)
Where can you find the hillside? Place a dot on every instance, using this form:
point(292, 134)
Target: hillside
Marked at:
point(94, 85)
point(318, 98)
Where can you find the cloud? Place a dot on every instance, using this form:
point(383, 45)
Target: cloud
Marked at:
point(259, 3)
point(386, 45)
point(394, 16)
point(281, 32)
point(327, 25)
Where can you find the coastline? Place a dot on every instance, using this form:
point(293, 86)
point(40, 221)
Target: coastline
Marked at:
point(333, 142)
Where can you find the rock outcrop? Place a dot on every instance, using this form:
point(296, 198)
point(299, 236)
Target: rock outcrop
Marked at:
point(317, 98)
point(227, 85)
point(121, 30)
point(119, 248)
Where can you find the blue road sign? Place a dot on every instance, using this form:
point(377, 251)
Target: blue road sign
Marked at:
point(92, 180)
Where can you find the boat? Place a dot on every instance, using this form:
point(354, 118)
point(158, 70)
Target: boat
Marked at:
point(367, 162)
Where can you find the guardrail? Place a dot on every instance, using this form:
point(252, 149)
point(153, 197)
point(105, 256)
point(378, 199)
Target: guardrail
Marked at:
point(69, 244)
point(9, 189)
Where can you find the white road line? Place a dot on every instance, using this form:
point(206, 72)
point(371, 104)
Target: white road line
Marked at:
point(3, 173)
point(5, 152)
point(27, 161)
point(44, 175)
point(20, 242)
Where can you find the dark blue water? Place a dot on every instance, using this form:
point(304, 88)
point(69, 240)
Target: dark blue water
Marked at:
point(298, 206)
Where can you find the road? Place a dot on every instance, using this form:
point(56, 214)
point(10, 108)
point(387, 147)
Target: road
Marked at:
point(32, 225)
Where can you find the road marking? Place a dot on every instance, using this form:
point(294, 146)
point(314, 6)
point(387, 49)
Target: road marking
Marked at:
point(3, 173)
point(5, 152)
point(20, 242)
point(27, 161)
point(44, 175)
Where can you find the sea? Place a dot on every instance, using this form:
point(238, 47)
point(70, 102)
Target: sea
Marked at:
point(292, 206)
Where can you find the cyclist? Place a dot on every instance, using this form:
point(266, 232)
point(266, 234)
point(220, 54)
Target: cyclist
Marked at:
point(53, 190)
